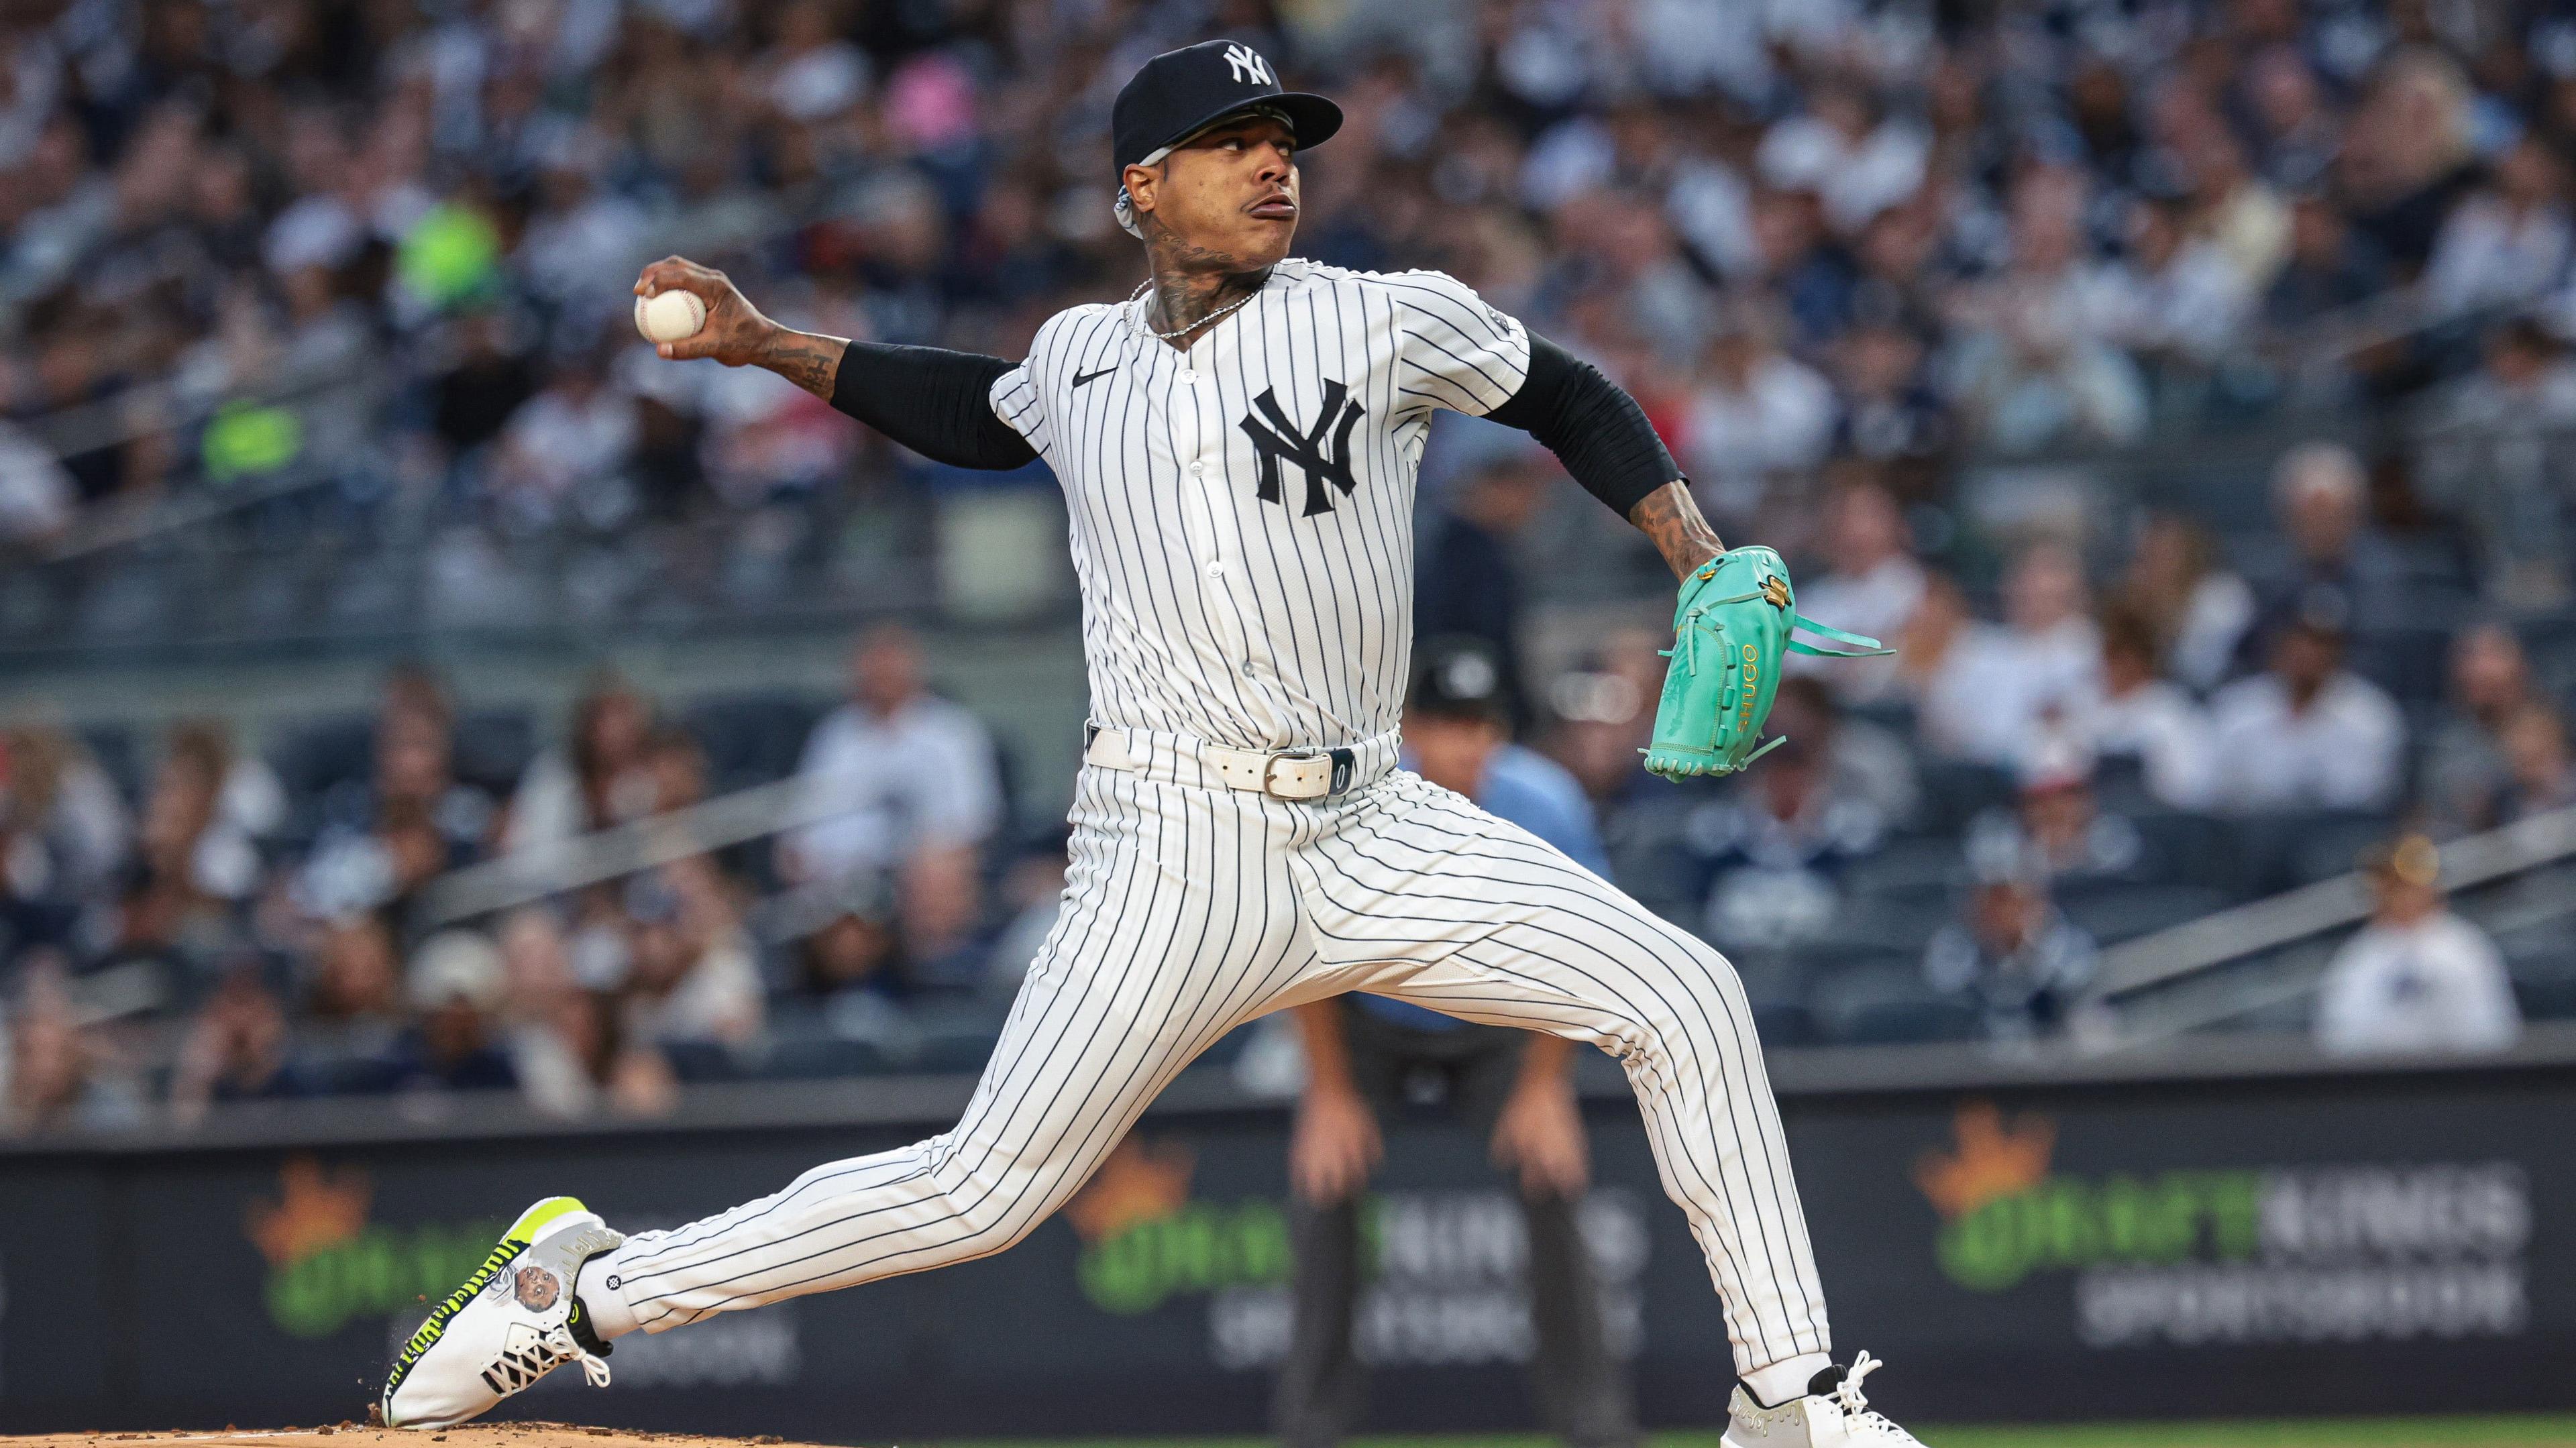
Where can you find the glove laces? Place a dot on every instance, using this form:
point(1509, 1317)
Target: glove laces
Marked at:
point(1855, 1404)
point(1688, 648)
point(559, 1340)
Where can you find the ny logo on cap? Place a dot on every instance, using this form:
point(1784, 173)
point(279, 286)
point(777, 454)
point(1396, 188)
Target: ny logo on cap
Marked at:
point(1246, 65)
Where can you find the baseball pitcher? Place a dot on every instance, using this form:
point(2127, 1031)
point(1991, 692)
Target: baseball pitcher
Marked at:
point(1237, 443)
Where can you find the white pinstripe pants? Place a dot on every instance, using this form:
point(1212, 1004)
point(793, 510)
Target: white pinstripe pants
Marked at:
point(1191, 909)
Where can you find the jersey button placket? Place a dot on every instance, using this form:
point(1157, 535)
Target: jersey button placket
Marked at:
point(1208, 471)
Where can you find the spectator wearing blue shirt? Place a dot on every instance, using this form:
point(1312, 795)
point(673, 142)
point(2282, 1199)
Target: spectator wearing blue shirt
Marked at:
point(1367, 1056)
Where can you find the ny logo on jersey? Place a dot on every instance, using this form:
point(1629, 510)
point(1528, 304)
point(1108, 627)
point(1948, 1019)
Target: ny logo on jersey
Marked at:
point(1322, 461)
point(1246, 64)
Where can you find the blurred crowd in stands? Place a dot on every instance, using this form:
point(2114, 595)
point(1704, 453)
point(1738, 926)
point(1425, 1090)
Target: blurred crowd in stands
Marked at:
point(1894, 280)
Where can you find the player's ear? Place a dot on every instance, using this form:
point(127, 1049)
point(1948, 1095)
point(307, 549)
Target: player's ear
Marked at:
point(1140, 182)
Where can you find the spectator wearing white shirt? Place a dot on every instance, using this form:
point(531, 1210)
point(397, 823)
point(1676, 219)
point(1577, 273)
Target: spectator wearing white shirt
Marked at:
point(1874, 587)
point(1759, 413)
point(577, 430)
point(2197, 612)
point(2506, 243)
point(1857, 163)
point(692, 972)
point(597, 778)
point(37, 499)
point(2012, 685)
point(912, 783)
point(2175, 297)
point(2308, 734)
point(2418, 979)
point(2141, 716)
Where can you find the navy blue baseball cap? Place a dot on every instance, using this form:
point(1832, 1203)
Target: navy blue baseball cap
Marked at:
point(1182, 92)
point(1458, 677)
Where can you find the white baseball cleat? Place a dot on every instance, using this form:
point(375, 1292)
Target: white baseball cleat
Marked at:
point(1832, 1414)
point(512, 1323)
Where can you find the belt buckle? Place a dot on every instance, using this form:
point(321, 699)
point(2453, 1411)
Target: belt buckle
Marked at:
point(1270, 775)
point(1344, 765)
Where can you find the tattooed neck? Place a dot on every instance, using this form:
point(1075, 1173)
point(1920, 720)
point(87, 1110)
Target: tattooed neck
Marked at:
point(1671, 517)
point(1192, 283)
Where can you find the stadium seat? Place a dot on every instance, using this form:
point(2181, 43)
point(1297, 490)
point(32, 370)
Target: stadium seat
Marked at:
point(1889, 1006)
point(2194, 849)
point(493, 746)
point(2333, 844)
point(955, 1036)
point(324, 751)
point(1955, 792)
point(2277, 852)
point(821, 1058)
point(1228, 1047)
point(2411, 663)
point(1924, 872)
point(2113, 911)
point(953, 1052)
point(751, 738)
point(113, 746)
point(1649, 860)
point(1784, 1023)
point(698, 1062)
point(1896, 716)
point(1868, 924)
point(2543, 966)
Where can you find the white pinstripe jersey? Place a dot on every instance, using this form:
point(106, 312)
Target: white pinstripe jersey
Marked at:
point(1242, 513)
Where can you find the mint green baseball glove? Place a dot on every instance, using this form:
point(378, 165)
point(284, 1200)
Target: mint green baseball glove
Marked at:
point(1731, 627)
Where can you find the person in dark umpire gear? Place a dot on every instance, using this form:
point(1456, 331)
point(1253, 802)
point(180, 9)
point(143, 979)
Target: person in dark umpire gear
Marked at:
point(1370, 1058)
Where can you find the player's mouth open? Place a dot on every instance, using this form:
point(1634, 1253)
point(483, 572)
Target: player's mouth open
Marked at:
point(1275, 208)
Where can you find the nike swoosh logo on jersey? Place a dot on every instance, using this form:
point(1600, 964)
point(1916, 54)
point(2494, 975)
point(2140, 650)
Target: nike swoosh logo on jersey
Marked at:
point(1080, 378)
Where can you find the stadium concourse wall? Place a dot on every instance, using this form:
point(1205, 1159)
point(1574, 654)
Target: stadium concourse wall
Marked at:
point(2229, 1227)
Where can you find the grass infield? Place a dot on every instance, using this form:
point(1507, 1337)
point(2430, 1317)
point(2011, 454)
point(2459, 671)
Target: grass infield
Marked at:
point(2499, 1432)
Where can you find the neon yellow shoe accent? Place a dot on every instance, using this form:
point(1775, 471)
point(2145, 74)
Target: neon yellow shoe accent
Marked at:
point(535, 1219)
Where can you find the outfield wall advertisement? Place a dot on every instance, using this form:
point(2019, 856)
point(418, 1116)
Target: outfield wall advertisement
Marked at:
point(2289, 1246)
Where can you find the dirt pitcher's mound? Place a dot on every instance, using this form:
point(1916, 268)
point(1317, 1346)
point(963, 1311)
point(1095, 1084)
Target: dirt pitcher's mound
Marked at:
point(359, 1435)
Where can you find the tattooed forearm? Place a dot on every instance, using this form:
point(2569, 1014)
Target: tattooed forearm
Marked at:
point(1671, 517)
point(809, 361)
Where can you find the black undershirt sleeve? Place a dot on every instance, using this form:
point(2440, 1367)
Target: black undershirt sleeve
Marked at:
point(935, 402)
point(1592, 425)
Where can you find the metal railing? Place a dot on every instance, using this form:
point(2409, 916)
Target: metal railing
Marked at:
point(2267, 953)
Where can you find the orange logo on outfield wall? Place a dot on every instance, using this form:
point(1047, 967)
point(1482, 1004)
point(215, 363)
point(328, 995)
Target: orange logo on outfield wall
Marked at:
point(1139, 1183)
point(1995, 1159)
point(314, 1209)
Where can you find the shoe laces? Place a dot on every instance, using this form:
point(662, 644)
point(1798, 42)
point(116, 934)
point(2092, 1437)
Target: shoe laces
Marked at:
point(1855, 1404)
point(559, 1340)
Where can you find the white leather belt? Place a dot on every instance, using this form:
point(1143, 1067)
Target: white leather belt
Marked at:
point(1285, 774)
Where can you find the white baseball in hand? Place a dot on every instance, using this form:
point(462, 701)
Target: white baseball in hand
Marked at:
point(671, 316)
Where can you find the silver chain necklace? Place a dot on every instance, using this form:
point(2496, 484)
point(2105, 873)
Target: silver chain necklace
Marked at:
point(1191, 327)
